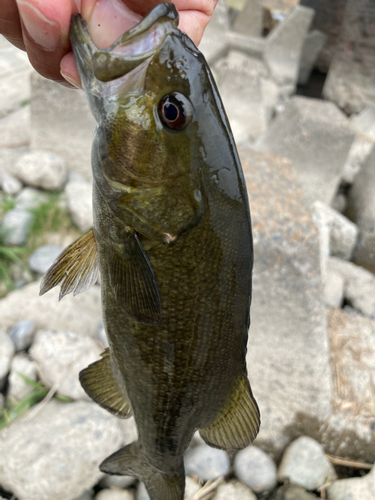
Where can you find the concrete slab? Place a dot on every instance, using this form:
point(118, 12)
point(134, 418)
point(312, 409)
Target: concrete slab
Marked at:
point(288, 357)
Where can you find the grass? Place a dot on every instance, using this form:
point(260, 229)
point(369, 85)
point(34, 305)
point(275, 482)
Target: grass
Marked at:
point(49, 217)
point(9, 255)
point(7, 203)
point(39, 392)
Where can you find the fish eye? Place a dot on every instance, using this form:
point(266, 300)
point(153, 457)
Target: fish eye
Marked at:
point(175, 111)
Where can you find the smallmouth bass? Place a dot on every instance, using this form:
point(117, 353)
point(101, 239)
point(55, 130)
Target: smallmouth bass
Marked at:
point(172, 241)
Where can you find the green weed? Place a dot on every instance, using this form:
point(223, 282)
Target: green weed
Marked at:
point(9, 255)
point(49, 217)
point(39, 392)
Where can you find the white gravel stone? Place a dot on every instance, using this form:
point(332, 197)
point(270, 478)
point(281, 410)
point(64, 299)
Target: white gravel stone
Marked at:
point(333, 289)
point(18, 387)
point(206, 462)
point(102, 337)
point(56, 453)
point(61, 356)
point(22, 335)
point(114, 494)
point(142, 492)
point(7, 351)
point(120, 482)
point(80, 314)
point(15, 227)
point(30, 198)
point(304, 463)
point(343, 233)
point(86, 495)
point(292, 492)
point(359, 285)
point(256, 469)
point(9, 184)
point(43, 258)
point(358, 488)
point(79, 198)
point(191, 488)
point(234, 491)
point(41, 169)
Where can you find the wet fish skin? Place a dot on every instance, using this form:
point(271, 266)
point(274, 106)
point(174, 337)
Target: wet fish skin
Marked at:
point(173, 239)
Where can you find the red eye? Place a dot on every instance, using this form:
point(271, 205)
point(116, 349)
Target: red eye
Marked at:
point(175, 111)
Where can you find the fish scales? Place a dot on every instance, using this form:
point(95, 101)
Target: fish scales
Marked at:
point(172, 241)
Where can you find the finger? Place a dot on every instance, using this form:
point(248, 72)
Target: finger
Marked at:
point(194, 17)
point(194, 14)
point(108, 20)
point(193, 23)
point(45, 28)
point(10, 25)
point(69, 70)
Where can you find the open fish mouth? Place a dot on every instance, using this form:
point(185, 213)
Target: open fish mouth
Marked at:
point(130, 50)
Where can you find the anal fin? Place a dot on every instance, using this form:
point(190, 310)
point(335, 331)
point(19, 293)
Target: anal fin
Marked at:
point(75, 269)
point(237, 423)
point(99, 383)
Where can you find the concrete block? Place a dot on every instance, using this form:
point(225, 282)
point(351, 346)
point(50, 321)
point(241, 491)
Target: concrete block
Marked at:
point(285, 43)
point(15, 70)
point(359, 285)
point(15, 128)
point(364, 126)
point(352, 339)
point(361, 209)
point(329, 15)
point(342, 232)
point(250, 20)
point(315, 135)
point(313, 45)
point(240, 84)
point(351, 78)
point(62, 123)
point(333, 289)
point(280, 50)
point(288, 361)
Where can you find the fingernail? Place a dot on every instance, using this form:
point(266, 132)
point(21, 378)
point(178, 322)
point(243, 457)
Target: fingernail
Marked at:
point(71, 80)
point(44, 32)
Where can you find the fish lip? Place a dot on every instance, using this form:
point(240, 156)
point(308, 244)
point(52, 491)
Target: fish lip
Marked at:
point(132, 48)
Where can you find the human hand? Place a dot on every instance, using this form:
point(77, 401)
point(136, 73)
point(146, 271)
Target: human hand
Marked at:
point(41, 27)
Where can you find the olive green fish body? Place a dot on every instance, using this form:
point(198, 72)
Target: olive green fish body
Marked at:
point(172, 240)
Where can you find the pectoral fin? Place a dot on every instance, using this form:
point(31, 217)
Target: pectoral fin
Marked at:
point(237, 424)
point(133, 281)
point(75, 269)
point(99, 383)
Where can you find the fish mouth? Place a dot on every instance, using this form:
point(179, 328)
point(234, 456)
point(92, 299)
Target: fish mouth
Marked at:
point(130, 50)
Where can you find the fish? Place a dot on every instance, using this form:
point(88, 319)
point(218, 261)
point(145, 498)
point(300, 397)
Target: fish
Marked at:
point(172, 242)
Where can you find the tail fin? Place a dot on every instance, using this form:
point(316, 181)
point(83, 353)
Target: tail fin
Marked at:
point(160, 486)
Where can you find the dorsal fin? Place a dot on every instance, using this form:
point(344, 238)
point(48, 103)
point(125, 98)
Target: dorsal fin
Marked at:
point(99, 383)
point(75, 269)
point(237, 423)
